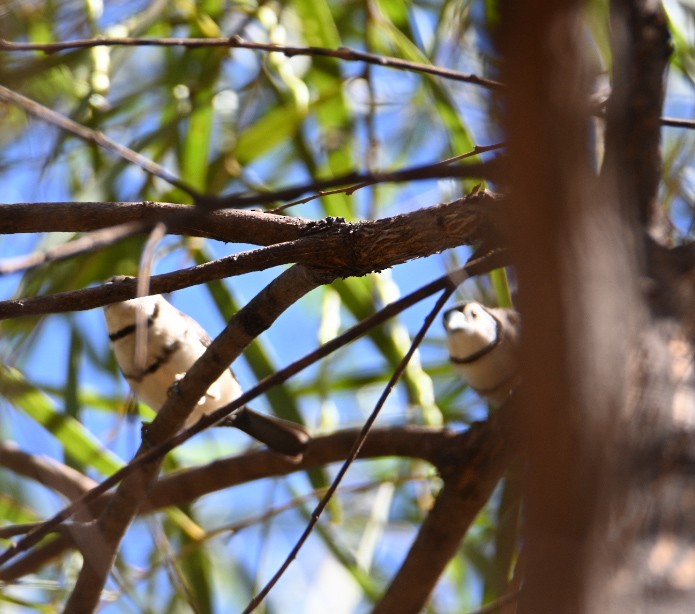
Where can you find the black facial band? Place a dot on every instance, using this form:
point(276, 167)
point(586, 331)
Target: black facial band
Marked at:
point(499, 331)
point(158, 362)
point(130, 329)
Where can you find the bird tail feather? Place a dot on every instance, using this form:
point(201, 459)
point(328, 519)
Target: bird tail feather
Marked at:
point(283, 436)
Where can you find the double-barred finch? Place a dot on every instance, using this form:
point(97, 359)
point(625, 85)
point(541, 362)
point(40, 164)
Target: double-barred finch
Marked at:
point(173, 342)
point(483, 344)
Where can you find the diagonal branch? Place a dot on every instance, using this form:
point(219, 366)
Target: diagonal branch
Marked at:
point(249, 322)
point(54, 475)
point(469, 479)
point(78, 247)
point(479, 266)
point(93, 136)
point(480, 170)
point(354, 451)
point(433, 445)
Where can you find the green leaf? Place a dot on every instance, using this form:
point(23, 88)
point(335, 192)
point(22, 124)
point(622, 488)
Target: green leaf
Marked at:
point(77, 441)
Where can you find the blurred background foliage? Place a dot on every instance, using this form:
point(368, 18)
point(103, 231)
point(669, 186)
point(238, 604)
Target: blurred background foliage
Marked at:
point(228, 121)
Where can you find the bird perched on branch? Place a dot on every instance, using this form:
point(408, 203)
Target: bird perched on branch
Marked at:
point(483, 344)
point(172, 342)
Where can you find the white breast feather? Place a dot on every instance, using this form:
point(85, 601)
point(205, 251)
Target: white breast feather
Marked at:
point(170, 326)
point(474, 328)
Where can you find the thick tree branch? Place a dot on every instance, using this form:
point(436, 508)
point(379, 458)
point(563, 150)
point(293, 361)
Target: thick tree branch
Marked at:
point(335, 245)
point(476, 267)
point(575, 269)
point(469, 479)
point(598, 367)
point(111, 526)
point(53, 475)
point(229, 225)
point(354, 452)
point(641, 49)
point(435, 446)
point(647, 549)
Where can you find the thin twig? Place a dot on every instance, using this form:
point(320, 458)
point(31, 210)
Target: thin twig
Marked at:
point(495, 605)
point(350, 190)
point(428, 444)
point(342, 53)
point(675, 122)
point(484, 170)
point(238, 200)
point(296, 502)
point(236, 42)
point(479, 266)
point(316, 514)
point(94, 136)
point(82, 245)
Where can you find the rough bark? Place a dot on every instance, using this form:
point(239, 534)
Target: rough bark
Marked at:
point(608, 383)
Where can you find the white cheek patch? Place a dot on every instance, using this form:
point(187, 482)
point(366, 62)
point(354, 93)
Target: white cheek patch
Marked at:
point(456, 321)
point(214, 392)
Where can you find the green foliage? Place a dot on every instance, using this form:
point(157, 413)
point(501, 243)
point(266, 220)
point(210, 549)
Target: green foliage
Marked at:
point(227, 121)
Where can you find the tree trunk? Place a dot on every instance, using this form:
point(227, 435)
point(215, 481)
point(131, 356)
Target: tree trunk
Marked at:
point(607, 402)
